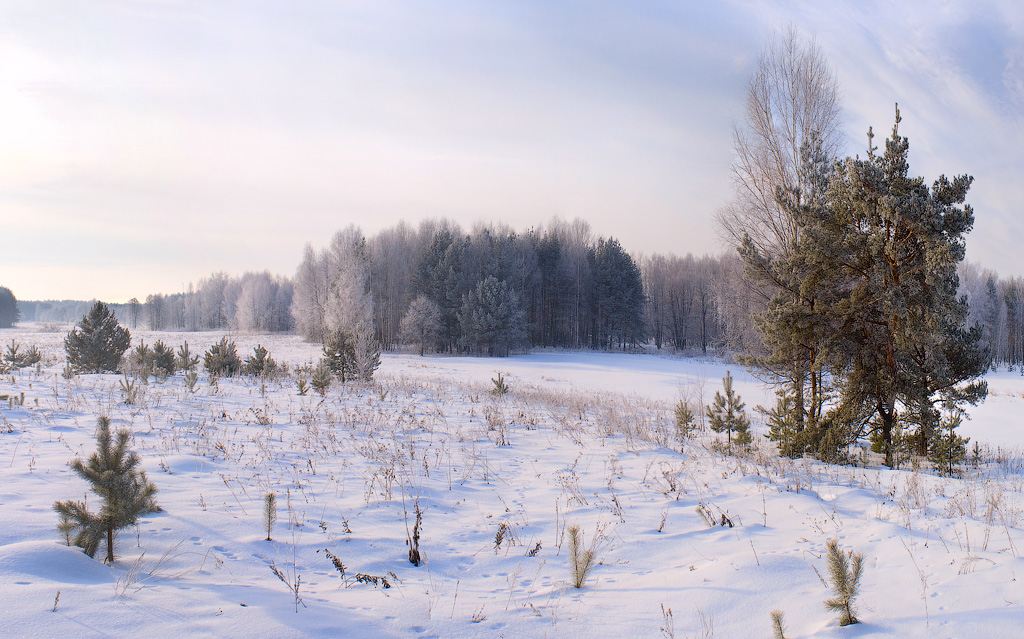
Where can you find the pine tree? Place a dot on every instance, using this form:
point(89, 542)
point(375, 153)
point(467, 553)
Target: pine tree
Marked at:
point(883, 253)
point(164, 363)
point(340, 355)
point(124, 489)
point(260, 363)
point(222, 359)
point(726, 413)
point(845, 570)
point(97, 343)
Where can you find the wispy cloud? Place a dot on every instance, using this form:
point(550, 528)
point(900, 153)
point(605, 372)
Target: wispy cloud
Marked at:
point(174, 123)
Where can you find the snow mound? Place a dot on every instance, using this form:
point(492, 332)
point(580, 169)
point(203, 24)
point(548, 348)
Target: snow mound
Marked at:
point(51, 561)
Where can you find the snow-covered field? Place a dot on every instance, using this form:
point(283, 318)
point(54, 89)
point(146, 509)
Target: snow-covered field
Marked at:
point(582, 439)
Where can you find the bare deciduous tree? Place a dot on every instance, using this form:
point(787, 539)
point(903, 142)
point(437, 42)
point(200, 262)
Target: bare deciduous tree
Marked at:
point(793, 96)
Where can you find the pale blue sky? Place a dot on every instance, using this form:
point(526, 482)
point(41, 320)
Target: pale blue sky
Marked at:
point(146, 144)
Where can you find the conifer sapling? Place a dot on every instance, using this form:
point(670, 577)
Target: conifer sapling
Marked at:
point(845, 569)
point(125, 492)
point(269, 513)
point(726, 413)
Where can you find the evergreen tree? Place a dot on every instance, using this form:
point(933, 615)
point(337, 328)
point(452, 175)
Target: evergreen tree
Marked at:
point(97, 343)
point(794, 331)
point(9, 312)
point(260, 363)
point(726, 413)
point(163, 359)
point(883, 255)
point(222, 359)
point(421, 325)
point(492, 320)
point(340, 355)
point(125, 492)
point(619, 296)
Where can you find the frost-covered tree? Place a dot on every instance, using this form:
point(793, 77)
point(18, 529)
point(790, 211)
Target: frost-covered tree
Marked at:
point(331, 291)
point(421, 325)
point(9, 312)
point(97, 343)
point(125, 492)
point(881, 257)
point(492, 320)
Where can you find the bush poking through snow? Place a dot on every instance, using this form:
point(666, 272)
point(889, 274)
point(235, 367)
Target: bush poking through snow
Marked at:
point(260, 363)
point(186, 361)
point(581, 560)
point(845, 570)
point(415, 558)
point(222, 359)
point(269, 513)
point(320, 380)
point(500, 387)
point(126, 493)
point(778, 628)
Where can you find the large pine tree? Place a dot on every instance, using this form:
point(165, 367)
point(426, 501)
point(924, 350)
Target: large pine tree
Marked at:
point(880, 258)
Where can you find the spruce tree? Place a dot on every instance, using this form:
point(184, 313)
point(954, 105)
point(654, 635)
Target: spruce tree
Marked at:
point(97, 343)
point(726, 413)
point(125, 492)
point(492, 319)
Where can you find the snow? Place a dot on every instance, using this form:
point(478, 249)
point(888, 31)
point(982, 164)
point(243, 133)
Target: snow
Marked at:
point(582, 439)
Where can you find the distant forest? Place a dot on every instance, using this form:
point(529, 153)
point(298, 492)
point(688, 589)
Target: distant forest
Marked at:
point(556, 286)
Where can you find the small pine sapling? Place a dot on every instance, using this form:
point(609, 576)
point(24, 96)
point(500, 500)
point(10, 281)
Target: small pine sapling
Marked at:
point(269, 513)
point(778, 627)
point(726, 414)
point(302, 385)
point(340, 355)
point(684, 420)
point(141, 360)
point(845, 570)
point(581, 560)
point(500, 387)
point(320, 380)
point(947, 449)
point(129, 390)
point(125, 492)
point(365, 355)
point(191, 379)
point(260, 363)
point(97, 343)
point(163, 364)
point(186, 361)
point(222, 359)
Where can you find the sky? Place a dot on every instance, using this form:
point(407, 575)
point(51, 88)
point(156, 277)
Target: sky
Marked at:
point(147, 144)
